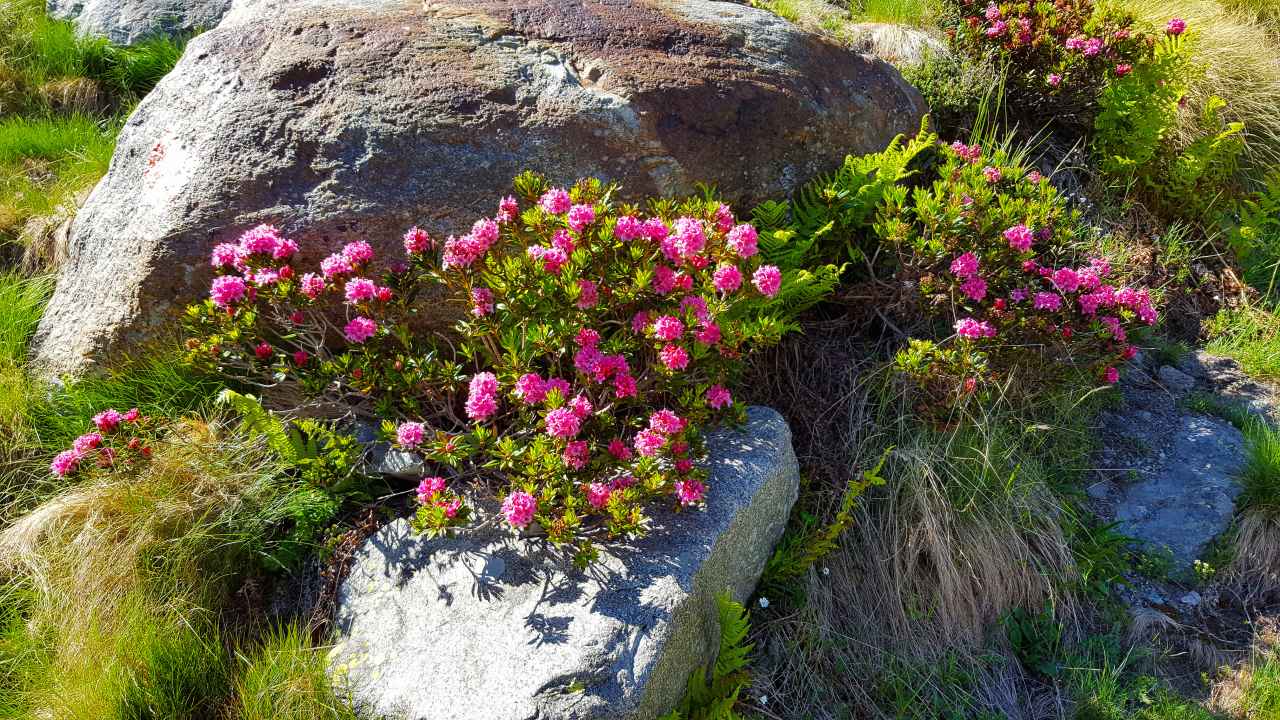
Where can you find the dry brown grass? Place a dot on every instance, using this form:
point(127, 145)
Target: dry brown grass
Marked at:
point(956, 538)
point(1255, 564)
point(88, 552)
point(1242, 61)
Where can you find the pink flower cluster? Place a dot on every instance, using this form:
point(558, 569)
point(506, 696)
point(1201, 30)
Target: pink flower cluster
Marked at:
point(482, 396)
point(518, 508)
point(95, 444)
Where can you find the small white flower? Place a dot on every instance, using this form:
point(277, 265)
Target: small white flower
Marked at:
point(764, 602)
point(764, 699)
point(826, 571)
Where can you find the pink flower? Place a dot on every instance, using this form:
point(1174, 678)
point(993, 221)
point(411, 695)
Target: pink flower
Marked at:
point(1020, 237)
point(360, 290)
point(767, 280)
point(588, 295)
point(598, 495)
point(718, 397)
point(698, 305)
point(1066, 280)
point(1017, 295)
point(224, 255)
point(992, 174)
point(690, 491)
point(360, 329)
point(1047, 301)
point(555, 201)
point(1055, 79)
point(481, 301)
point(743, 239)
point(580, 216)
point(724, 218)
point(417, 241)
point(559, 385)
point(727, 278)
point(107, 420)
point(410, 434)
point(553, 259)
point(508, 210)
point(972, 153)
point(1130, 352)
point(562, 423)
point(482, 396)
point(576, 454)
point(312, 285)
point(300, 358)
point(518, 508)
point(622, 482)
point(1112, 376)
point(648, 443)
point(997, 28)
point(86, 442)
point(639, 322)
point(587, 338)
point(285, 249)
point(65, 463)
point(971, 329)
point(624, 386)
point(428, 487)
point(683, 466)
point(530, 389)
point(131, 415)
point(965, 265)
point(656, 229)
point(227, 290)
point(1092, 47)
point(619, 449)
point(1123, 69)
point(975, 288)
point(563, 241)
point(709, 334)
point(667, 422)
point(627, 228)
point(1074, 43)
point(581, 406)
point(674, 357)
point(263, 351)
point(688, 239)
point(668, 328)
point(587, 360)
point(335, 265)
point(992, 12)
point(358, 252)
point(261, 240)
point(1176, 26)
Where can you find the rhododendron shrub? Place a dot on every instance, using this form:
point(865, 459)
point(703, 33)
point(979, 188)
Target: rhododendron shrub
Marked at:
point(995, 253)
point(1059, 54)
point(594, 343)
point(117, 441)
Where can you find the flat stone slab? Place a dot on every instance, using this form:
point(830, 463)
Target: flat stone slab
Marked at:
point(492, 626)
point(1190, 498)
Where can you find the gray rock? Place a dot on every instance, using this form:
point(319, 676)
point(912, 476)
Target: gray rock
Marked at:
point(126, 22)
point(1190, 498)
point(1192, 598)
point(1175, 379)
point(338, 123)
point(491, 628)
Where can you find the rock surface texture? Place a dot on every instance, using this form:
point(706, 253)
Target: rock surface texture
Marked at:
point(1168, 474)
point(491, 628)
point(126, 22)
point(338, 122)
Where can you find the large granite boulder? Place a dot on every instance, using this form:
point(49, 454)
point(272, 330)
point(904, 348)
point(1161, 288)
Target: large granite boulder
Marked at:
point(125, 22)
point(338, 122)
point(491, 628)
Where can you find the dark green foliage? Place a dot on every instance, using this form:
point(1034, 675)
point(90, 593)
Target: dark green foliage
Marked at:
point(954, 87)
point(1253, 232)
point(1101, 554)
point(712, 695)
point(1036, 639)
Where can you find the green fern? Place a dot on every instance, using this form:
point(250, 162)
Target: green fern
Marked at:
point(712, 696)
point(257, 420)
point(803, 546)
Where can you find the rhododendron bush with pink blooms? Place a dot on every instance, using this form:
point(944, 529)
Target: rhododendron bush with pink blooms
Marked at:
point(1059, 54)
point(995, 253)
point(594, 343)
